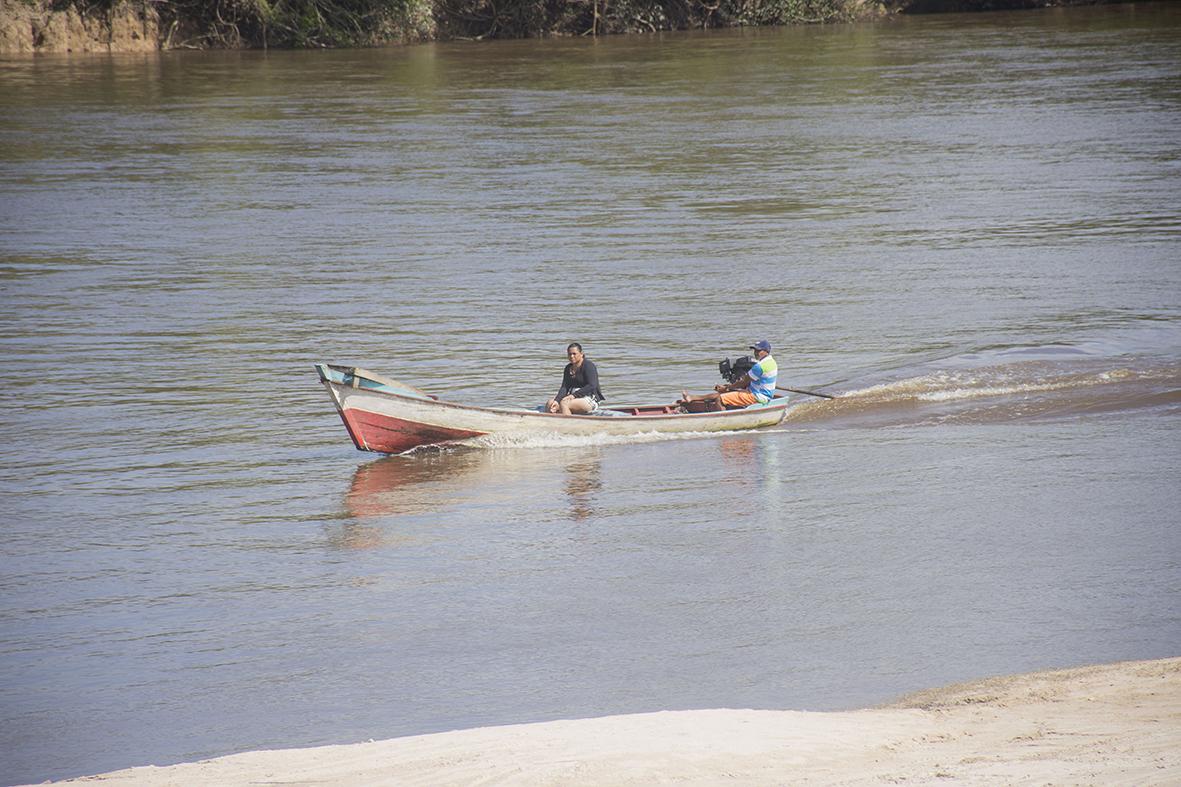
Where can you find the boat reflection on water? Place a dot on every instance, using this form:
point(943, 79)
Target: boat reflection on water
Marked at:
point(404, 484)
point(398, 486)
point(407, 498)
point(431, 481)
point(584, 477)
point(751, 466)
point(739, 451)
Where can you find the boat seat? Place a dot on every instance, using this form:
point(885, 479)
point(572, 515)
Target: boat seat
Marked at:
point(666, 409)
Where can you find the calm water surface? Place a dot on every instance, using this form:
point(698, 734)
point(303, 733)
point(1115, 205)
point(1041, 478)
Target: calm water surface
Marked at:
point(968, 227)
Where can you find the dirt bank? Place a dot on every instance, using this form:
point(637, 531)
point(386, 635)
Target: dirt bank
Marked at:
point(35, 27)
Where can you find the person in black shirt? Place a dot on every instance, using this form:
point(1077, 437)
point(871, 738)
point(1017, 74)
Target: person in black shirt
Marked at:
point(580, 393)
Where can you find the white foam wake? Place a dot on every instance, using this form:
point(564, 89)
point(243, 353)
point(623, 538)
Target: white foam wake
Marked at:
point(555, 440)
point(947, 387)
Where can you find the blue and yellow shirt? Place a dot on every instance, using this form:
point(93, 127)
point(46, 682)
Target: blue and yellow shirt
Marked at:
point(763, 375)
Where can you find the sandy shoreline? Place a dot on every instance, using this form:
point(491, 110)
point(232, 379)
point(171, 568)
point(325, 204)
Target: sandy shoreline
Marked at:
point(1109, 724)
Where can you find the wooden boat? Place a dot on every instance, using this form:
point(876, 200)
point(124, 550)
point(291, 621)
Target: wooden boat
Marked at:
point(390, 417)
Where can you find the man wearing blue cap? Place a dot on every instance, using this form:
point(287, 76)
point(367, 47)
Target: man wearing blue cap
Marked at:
point(758, 386)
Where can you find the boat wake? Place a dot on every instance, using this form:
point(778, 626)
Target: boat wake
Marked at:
point(1024, 390)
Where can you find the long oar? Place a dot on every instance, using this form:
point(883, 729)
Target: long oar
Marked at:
point(800, 390)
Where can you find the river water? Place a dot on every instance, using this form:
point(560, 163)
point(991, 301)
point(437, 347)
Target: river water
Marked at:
point(968, 227)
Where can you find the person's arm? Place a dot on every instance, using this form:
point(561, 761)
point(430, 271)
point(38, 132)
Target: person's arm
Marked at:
point(752, 376)
point(567, 384)
point(741, 385)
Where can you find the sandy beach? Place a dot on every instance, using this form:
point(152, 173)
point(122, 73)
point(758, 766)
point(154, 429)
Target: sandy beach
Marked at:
point(1109, 724)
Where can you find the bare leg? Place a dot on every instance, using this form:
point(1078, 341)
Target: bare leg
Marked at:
point(572, 406)
point(712, 400)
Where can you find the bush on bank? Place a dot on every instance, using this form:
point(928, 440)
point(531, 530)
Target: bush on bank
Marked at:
point(336, 23)
point(29, 25)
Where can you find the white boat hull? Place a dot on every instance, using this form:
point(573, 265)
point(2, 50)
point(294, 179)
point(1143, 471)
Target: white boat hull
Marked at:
point(382, 418)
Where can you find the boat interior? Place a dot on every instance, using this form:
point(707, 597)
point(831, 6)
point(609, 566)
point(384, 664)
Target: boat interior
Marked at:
point(356, 377)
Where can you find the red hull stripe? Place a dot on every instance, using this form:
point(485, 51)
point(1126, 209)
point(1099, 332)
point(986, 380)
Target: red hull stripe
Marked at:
point(374, 432)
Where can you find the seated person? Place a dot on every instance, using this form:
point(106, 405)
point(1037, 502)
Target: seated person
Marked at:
point(580, 392)
point(758, 385)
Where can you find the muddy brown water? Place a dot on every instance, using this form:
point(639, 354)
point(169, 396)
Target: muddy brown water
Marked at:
point(966, 226)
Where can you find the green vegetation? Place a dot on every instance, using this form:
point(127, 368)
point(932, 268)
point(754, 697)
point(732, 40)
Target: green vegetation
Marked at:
point(343, 23)
point(292, 23)
point(527, 18)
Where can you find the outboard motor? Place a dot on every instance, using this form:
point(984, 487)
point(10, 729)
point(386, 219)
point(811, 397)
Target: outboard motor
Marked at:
point(735, 371)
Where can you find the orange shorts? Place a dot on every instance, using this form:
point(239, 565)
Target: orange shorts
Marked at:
point(738, 399)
